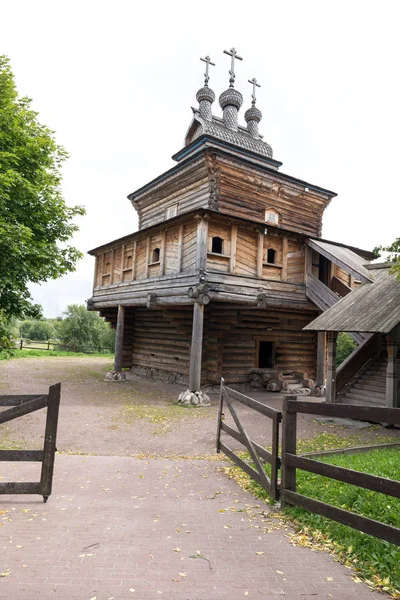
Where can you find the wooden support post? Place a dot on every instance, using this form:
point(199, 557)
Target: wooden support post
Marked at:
point(285, 250)
point(134, 255)
point(180, 247)
point(49, 448)
point(392, 374)
point(289, 432)
point(162, 252)
point(308, 260)
point(196, 348)
point(202, 235)
point(232, 263)
point(112, 266)
point(122, 262)
point(260, 254)
point(119, 338)
point(321, 355)
point(331, 367)
point(146, 273)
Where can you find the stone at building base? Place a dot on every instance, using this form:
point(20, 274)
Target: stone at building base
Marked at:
point(197, 399)
point(115, 376)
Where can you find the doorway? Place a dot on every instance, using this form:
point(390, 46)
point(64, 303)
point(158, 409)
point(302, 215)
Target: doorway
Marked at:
point(266, 354)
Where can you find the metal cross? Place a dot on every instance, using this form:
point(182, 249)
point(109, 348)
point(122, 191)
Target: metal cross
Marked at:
point(254, 84)
point(232, 52)
point(208, 62)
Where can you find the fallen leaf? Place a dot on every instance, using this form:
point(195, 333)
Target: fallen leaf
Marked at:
point(132, 590)
point(182, 574)
point(280, 572)
point(177, 549)
point(329, 578)
point(5, 574)
point(259, 553)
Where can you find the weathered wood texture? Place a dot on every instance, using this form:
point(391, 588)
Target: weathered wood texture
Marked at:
point(247, 192)
point(185, 190)
point(232, 335)
point(161, 339)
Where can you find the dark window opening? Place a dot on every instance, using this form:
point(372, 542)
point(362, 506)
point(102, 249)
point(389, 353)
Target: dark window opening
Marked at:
point(217, 245)
point(156, 255)
point(271, 255)
point(128, 261)
point(266, 355)
point(323, 274)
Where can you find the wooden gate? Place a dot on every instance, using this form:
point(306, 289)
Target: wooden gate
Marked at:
point(259, 455)
point(23, 405)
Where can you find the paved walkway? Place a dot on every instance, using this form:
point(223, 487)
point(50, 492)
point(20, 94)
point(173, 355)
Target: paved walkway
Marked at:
point(123, 528)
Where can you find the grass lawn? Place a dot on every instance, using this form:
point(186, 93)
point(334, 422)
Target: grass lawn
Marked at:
point(374, 560)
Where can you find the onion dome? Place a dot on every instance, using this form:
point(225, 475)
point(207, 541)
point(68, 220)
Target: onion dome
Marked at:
point(230, 101)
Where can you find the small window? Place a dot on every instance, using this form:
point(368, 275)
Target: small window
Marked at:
point(217, 245)
point(128, 261)
point(155, 257)
point(172, 211)
point(271, 216)
point(271, 256)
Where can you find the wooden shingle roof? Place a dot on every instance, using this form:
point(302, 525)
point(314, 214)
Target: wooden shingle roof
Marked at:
point(372, 308)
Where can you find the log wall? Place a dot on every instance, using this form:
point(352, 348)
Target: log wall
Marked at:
point(160, 339)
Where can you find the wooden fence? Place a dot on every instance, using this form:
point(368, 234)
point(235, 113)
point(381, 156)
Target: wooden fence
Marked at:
point(56, 346)
point(291, 461)
point(23, 405)
point(259, 455)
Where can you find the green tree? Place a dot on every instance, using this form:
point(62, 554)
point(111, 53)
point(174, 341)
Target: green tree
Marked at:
point(85, 330)
point(393, 255)
point(38, 330)
point(35, 222)
point(345, 346)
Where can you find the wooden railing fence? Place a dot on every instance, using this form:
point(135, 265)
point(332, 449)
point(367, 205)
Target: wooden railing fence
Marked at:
point(23, 405)
point(259, 455)
point(292, 461)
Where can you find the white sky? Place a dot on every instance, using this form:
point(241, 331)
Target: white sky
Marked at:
point(116, 80)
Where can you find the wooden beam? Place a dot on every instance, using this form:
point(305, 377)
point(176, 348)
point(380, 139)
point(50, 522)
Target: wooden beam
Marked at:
point(321, 355)
point(202, 235)
point(308, 261)
point(392, 375)
point(331, 367)
point(162, 252)
point(146, 272)
point(196, 347)
point(232, 264)
point(180, 247)
point(260, 252)
point(134, 255)
point(112, 266)
point(285, 250)
point(50, 436)
point(119, 337)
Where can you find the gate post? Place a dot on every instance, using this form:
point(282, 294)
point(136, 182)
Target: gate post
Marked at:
point(49, 448)
point(289, 447)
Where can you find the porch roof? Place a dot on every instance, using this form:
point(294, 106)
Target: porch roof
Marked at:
point(372, 308)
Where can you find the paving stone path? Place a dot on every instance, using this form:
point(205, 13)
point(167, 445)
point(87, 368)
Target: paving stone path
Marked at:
point(124, 528)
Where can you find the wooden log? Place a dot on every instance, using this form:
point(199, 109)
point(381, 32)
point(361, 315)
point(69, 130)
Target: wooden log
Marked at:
point(119, 336)
point(331, 367)
point(321, 354)
point(202, 236)
point(196, 348)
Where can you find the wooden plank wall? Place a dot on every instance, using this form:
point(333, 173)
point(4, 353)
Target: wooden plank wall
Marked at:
point(245, 193)
point(188, 191)
point(189, 246)
point(295, 262)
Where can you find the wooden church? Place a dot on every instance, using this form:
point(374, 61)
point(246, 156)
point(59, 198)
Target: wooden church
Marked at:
point(228, 265)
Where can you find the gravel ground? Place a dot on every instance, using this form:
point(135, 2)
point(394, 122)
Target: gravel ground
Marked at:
point(135, 417)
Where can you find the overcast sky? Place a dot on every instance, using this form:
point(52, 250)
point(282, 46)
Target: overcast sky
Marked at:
point(116, 80)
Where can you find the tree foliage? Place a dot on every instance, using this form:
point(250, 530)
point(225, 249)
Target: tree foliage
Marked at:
point(393, 255)
point(85, 330)
point(345, 346)
point(35, 222)
point(40, 329)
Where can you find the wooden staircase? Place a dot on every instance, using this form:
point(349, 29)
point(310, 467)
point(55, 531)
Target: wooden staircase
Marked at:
point(369, 384)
